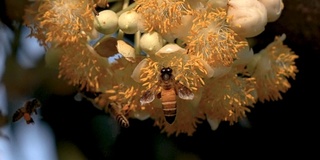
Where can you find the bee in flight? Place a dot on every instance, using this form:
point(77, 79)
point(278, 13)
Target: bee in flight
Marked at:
point(115, 111)
point(169, 89)
point(26, 110)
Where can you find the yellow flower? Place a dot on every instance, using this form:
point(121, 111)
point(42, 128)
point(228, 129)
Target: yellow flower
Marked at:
point(60, 21)
point(272, 67)
point(121, 88)
point(164, 16)
point(227, 98)
point(189, 71)
point(211, 38)
point(83, 67)
point(193, 38)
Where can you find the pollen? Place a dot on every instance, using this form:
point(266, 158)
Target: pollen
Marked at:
point(275, 66)
point(212, 39)
point(229, 97)
point(59, 21)
point(162, 15)
point(188, 70)
point(82, 66)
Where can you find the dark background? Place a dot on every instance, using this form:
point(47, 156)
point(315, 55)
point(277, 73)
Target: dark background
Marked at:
point(286, 127)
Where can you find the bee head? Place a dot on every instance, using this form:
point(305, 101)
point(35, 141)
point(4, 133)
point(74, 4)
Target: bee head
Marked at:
point(166, 73)
point(36, 103)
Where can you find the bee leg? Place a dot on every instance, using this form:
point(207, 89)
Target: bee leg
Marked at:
point(30, 121)
point(159, 95)
point(28, 118)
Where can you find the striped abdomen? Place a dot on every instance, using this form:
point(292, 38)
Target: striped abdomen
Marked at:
point(122, 120)
point(169, 104)
point(115, 111)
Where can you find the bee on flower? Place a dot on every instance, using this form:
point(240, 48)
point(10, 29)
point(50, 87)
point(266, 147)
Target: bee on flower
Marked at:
point(189, 60)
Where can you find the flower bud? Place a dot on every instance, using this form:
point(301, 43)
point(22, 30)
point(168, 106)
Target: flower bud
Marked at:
point(274, 9)
point(128, 22)
point(151, 42)
point(106, 22)
point(248, 17)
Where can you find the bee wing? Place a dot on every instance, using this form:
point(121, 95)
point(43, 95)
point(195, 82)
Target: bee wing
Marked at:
point(31, 105)
point(184, 92)
point(147, 97)
point(17, 115)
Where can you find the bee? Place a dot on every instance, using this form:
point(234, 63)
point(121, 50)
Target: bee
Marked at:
point(169, 89)
point(113, 108)
point(26, 111)
point(115, 111)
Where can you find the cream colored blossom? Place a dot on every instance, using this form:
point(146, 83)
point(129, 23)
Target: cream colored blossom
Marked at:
point(81, 66)
point(229, 97)
point(121, 88)
point(272, 67)
point(203, 42)
point(169, 18)
point(60, 21)
point(212, 39)
point(188, 69)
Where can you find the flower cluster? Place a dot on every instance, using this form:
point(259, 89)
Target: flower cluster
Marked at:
point(203, 42)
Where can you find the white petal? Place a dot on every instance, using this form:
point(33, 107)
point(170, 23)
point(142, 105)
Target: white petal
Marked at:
point(137, 71)
point(214, 123)
point(249, 17)
point(274, 9)
point(244, 56)
point(141, 115)
point(126, 50)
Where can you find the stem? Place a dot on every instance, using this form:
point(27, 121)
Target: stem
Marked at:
point(120, 34)
point(137, 36)
point(131, 6)
point(109, 1)
point(125, 4)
